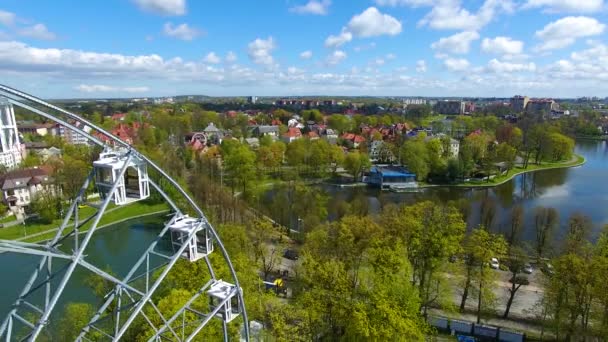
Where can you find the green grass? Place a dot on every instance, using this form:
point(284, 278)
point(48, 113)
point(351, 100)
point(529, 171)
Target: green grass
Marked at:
point(7, 219)
point(428, 120)
point(579, 160)
point(121, 213)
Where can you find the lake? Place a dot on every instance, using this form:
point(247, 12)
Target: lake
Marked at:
point(114, 248)
point(580, 189)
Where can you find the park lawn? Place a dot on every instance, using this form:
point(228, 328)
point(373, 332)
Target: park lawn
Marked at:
point(7, 219)
point(120, 213)
point(20, 230)
point(579, 160)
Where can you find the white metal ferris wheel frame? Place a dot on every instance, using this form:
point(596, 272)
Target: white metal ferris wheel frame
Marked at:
point(127, 298)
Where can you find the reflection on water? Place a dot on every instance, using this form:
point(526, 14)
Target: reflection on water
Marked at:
point(114, 248)
point(580, 189)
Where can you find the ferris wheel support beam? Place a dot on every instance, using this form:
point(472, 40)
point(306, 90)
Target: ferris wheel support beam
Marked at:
point(43, 261)
point(79, 255)
point(12, 93)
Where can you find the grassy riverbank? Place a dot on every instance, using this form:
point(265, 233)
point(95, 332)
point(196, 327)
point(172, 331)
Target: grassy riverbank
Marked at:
point(517, 170)
point(40, 232)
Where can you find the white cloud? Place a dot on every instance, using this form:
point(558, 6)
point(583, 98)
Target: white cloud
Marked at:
point(260, 51)
point(500, 67)
point(458, 43)
point(306, 54)
point(336, 57)
point(7, 18)
point(312, 7)
point(99, 88)
point(372, 23)
point(450, 15)
point(163, 7)
point(565, 31)
point(364, 47)
point(413, 3)
point(421, 66)
point(37, 31)
point(339, 40)
point(584, 72)
point(390, 56)
point(575, 6)
point(502, 46)
point(212, 58)
point(456, 64)
point(378, 61)
point(182, 31)
point(231, 57)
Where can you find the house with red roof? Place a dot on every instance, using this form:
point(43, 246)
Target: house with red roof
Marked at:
point(293, 133)
point(119, 117)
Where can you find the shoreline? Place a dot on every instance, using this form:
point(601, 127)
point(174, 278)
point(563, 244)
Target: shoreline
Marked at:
point(100, 227)
point(580, 160)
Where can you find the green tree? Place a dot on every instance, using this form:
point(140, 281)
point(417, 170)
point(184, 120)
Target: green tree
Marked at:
point(545, 222)
point(415, 156)
point(355, 163)
point(75, 317)
point(480, 246)
point(240, 166)
point(433, 234)
point(505, 153)
point(516, 262)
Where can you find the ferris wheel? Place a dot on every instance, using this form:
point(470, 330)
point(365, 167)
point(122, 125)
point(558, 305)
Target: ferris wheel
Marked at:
point(121, 176)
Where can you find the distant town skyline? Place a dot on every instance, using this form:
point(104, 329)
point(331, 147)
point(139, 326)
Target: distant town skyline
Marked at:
point(429, 48)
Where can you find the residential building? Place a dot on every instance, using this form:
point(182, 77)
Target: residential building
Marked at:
point(330, 135)
point(252, 99)
point(294, 133)
point(11, 150)
point(519, 103)
point(379, 152)
point(20, 187)
point(265, 130)
point(541, 106)
point(414, 101)
point(214, 134)
point(70, 136)
point(469, 107)
point(454, 144)
point(353, 139)
point(450, 107)
point(33, 128)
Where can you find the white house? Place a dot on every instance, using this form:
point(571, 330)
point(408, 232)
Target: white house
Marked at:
point(19, 187)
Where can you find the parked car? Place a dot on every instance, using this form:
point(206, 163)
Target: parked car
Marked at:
point(528, 269)
point(547, 268)
point(494, 263)
point(291, 254)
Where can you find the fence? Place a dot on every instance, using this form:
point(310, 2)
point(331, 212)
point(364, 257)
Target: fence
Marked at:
point(480, 331)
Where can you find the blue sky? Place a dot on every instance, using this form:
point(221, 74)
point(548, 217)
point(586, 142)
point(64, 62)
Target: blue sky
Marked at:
point(136, 48)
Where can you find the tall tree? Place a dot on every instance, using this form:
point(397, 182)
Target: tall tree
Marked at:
point(516, 262)
point(432, 234)
point(516, 225)
point(545, 222)
point(355, 163)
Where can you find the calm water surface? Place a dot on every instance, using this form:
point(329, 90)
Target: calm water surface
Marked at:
point(581, 189)
point(117, 248)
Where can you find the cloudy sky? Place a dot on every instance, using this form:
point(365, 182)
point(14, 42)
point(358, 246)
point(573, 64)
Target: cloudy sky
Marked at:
point(65, 48)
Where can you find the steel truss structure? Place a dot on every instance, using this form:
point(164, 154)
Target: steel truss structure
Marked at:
point(131, 297)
